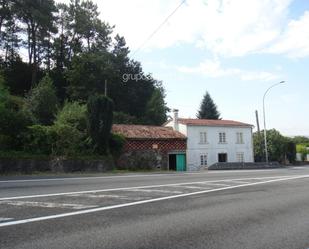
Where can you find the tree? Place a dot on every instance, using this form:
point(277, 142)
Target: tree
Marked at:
point(38, 17)
point(301, 140)
point(208, 109)
point(41, 102)
point(100, 119)
point(280, 148)
point(13, 122)
point(156, 108)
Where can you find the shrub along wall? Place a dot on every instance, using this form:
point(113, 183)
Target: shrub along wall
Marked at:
point(57, 165)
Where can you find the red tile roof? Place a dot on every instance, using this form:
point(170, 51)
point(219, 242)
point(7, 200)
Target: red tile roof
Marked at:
point(211, 122)
point(146, 132)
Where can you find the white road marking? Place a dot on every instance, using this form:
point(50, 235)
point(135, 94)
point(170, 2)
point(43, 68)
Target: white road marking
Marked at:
point(238, 182)
point(87, 211)
point(123, 197)
point(216, 184)
point(190, 187)
point(103, 177)
point(47, 204)
point(140, 187)
point(2, 219)
point(140, 175)
point(155, 190)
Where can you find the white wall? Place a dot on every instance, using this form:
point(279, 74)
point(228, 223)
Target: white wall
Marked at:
point(213, 147)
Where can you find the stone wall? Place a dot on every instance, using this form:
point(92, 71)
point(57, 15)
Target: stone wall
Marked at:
point(228, 166)
point(28, 166)
point(143, 160)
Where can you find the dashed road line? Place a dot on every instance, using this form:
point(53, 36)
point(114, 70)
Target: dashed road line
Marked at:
point(238, 182)
point(139, 187)
point(47, 204)
point(155, 190)
point(93, 210)
point(216, 184)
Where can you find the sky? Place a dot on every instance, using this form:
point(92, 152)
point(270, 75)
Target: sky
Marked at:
point(234, 49)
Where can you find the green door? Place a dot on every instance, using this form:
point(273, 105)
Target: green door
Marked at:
point(180, 162)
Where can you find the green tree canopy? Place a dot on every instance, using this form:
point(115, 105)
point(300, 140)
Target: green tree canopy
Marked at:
point(41, 102)
point(156, 108)
point(280, 147)
point(208, 109)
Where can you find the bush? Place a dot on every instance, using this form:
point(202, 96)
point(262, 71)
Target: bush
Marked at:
point(116, 144)
point(100, 118)
point(72, 114)
point(12, 126)
point(69, 140)
point(40, 139)
point(41, 102)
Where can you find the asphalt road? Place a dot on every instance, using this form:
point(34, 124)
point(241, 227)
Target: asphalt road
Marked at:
point(234, 209)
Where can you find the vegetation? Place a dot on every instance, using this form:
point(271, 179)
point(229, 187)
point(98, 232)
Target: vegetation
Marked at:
point(55, 63)
point(208, 109)
point(100, 116)
point(280, 148)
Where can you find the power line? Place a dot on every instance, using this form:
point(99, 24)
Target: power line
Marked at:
point(158, 28)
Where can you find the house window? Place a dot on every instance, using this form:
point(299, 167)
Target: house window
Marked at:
point(222, 137)
point(240, 157)
point(203, 137)
point(222, 157)
point(239, 138)
point(203, 159)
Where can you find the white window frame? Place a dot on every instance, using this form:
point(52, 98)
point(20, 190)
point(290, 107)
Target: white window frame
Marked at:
point(239, 138)
point(203, 159)
point(222, 137)
point(240, 157)
point(203, 137)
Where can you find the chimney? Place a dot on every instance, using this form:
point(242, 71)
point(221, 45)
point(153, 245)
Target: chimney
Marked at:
point(176, 126)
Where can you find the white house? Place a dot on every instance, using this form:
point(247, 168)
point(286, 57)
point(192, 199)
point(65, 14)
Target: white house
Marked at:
point(212, 141)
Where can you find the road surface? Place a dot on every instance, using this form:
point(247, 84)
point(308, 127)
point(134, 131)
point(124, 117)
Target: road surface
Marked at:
point(218, 209)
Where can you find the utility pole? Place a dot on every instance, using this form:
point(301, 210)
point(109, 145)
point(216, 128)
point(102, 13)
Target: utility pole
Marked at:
point(257, 122)
point(265, 131)
point(105, 88)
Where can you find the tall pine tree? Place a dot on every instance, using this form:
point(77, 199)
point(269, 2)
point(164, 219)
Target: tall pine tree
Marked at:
point(208, 109)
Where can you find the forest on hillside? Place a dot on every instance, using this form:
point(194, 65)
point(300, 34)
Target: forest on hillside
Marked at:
point(54, 62)
point(79, 52)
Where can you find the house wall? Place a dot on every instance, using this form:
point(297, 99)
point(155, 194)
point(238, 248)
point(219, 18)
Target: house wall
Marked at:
point(212, 148)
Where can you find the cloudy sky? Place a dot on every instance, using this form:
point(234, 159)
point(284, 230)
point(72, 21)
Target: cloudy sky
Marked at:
point(235, 49)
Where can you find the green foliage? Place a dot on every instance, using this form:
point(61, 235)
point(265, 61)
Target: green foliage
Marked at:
point(280, 148)
point(4, 93)
point(40, 139)
point(73, 114)
point(55, 140)
point(100, 119)
point(69, 140)
point(258, 146)
point(87, 74)
point(116, 144)
point(13, 122)
point(302, 149)
point(208, 109)
point(123, 118)
point(41, 102)
point(71, 129)
point(301, 140)
point(156, 108)
point(70, 44)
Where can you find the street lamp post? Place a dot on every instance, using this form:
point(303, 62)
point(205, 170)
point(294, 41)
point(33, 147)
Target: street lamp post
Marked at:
point(265, 132)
